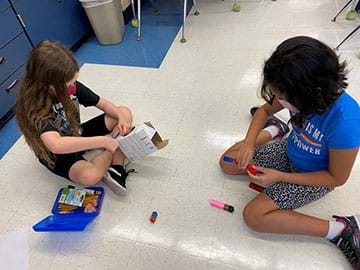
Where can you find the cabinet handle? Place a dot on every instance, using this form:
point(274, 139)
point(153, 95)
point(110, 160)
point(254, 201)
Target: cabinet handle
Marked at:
point(11, 86)
point(21, 20)
point(2, 59)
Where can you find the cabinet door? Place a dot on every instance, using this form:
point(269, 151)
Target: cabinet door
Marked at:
point(4, 4)
point(9, 26)
point(56, 20)
point(13, 56)
point(9, 90)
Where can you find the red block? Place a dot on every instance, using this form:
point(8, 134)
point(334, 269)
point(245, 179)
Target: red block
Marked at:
point(256, 187)
point(250, 168)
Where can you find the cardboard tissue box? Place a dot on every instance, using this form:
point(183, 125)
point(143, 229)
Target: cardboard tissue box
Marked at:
point(140, 142)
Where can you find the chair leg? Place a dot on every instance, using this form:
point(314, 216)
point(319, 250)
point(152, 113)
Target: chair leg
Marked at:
point(133, 9)
point(348, 36)
point(183, 40)
point(341, 10)
point(196, 10)
point(139, 21)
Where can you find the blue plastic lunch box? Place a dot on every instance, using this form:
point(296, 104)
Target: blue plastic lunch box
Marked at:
point(68, 221)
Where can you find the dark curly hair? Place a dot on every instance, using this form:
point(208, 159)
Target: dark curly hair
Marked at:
point(307, 72)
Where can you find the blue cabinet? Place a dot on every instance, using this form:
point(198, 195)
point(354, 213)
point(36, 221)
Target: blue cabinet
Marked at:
point(14, 49)
point(10, 26)
point(55, 20)
point(4, 4)
point(24, 23)
point(13, 55)
point(9, 90)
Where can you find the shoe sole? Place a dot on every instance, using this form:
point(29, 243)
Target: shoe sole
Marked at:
point(116, 188)
point(357, 220)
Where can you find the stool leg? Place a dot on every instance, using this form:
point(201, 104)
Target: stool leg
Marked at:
point(183, 40)
point(348, 36)
point(139, 21)
point(133, 9)
point(341, 10)
point(196, 10)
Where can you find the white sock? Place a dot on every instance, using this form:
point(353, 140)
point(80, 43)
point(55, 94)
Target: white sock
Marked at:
point(335, 227)
point(273, 130)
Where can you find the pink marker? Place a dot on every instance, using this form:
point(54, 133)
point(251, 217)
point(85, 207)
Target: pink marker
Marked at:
point(222, 205)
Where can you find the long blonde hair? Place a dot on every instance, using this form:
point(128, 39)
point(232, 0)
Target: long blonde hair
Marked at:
point(49, 67)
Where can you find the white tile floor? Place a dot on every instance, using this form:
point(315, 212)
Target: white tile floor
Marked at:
point(199, 98)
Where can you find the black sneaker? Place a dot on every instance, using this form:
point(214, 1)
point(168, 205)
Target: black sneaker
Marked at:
point(349, 239)
point(357, 8)
point(273, 121)
point(115, 179)
point(253, 110)
point(281, 125)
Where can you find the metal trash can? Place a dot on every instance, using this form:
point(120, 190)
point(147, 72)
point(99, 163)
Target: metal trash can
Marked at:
point(106, 18)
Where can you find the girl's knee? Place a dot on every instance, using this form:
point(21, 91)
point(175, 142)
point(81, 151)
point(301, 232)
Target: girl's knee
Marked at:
point(89, 177)
point(253, 217)
point(224, 165)
point(229, 167)
point(125, 111)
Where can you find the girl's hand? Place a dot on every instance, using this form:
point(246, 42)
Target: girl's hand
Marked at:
point(110, 144)
point(266, 176)
point(245, 154)
point(124, 124)
point(122, 128)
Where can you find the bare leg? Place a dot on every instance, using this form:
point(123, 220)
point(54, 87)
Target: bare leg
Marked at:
point(91, 172)
point(263, 137)
point(263, 215)
point(118, 157)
